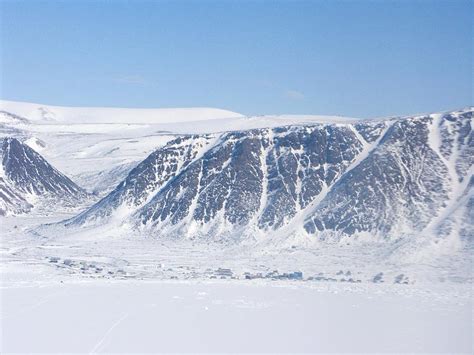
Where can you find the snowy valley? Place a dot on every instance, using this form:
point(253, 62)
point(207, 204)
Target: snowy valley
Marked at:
point(354, 213)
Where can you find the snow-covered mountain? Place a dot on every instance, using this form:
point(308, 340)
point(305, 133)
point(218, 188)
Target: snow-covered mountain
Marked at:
point(328, 178)
point(218, 174)
point(27, 180)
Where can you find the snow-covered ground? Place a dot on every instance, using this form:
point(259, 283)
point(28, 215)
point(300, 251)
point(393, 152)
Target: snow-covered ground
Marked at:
point(106, 291)
point(231, 316)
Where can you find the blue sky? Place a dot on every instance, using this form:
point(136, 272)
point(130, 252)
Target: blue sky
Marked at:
point(354, 58)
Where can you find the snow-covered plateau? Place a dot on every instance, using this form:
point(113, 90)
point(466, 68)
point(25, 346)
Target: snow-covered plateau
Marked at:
point(202, 230)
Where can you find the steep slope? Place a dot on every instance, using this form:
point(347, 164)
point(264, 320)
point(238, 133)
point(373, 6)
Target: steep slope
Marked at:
point(408, 184)
point(145, 179)
point(401, 183)
point(380, 178)
point(262, 177)
point(11, 200)
point(27, 179)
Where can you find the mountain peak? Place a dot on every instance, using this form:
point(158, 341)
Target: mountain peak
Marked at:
point(26, 175)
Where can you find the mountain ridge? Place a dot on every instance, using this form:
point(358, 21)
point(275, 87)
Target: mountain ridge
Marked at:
point(257, 181)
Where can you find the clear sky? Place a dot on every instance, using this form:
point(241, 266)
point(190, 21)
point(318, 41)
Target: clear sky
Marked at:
point(354, 58)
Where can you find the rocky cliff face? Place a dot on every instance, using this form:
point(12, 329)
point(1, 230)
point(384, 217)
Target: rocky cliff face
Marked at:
point(11, 200)
point(383, 178)
point(28, 180)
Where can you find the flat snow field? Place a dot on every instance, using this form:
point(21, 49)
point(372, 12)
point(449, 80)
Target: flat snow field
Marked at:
point(134, 316)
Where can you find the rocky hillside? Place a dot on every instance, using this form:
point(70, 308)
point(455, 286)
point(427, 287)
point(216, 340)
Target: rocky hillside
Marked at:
point(27, 180)
point(379, 178)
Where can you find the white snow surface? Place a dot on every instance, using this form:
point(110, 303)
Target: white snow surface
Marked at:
point(230, 317)
point(59, 114)
point(176, 120)
point(106, 292)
